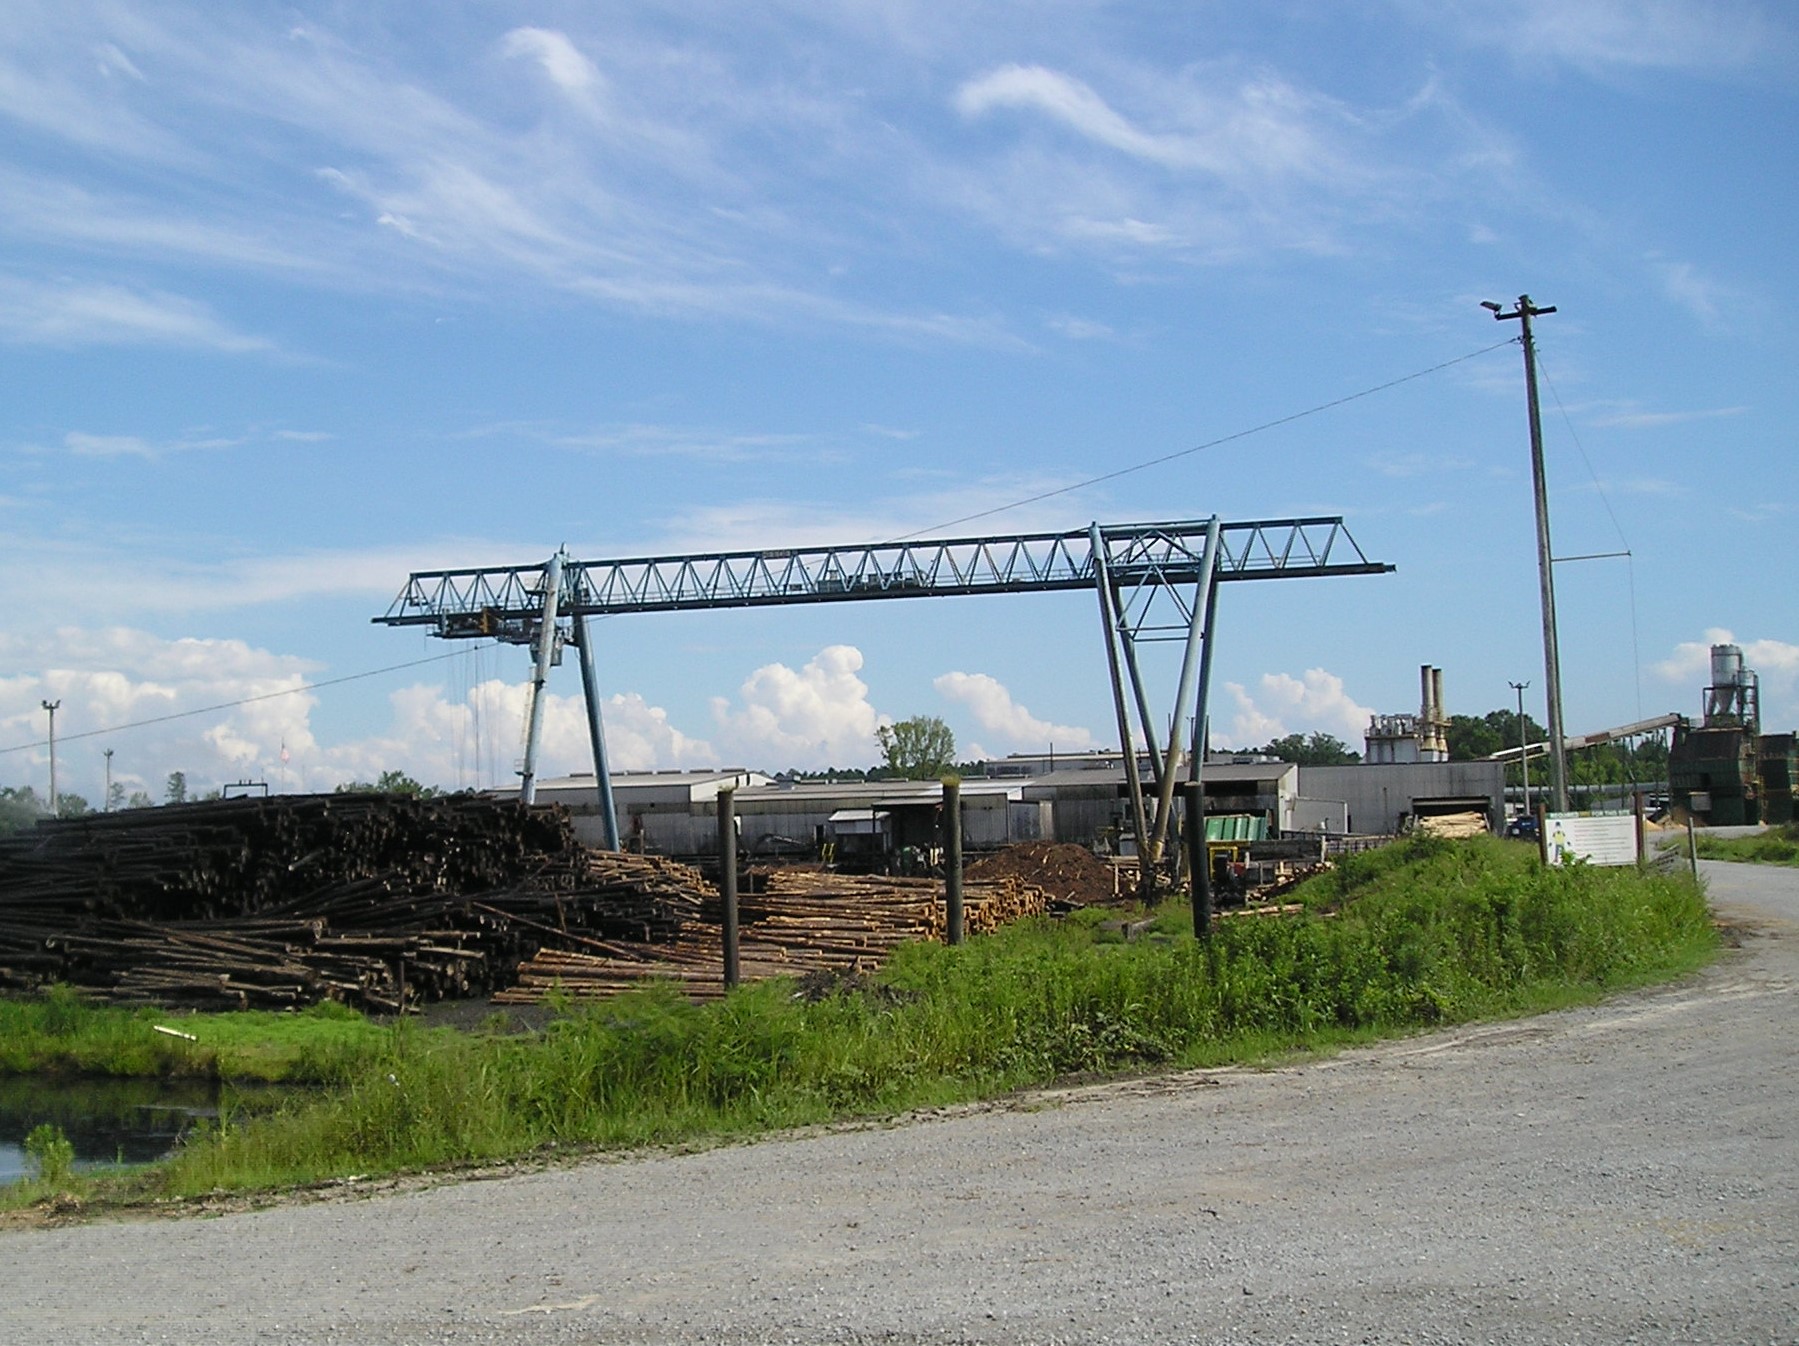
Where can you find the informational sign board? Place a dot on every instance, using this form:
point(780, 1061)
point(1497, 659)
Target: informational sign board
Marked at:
point(1596, 838)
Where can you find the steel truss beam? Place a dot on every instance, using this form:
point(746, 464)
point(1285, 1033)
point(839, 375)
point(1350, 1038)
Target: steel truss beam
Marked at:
point(505, 601)
point(1131, 566)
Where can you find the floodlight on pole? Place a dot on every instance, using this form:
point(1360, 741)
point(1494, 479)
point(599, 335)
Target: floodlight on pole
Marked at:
point(52, 707)
point(1523, 757)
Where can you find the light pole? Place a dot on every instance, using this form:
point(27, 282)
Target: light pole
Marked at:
point(52, 706)
point(1552, 660)
point(1523, 760)
point(107, 806)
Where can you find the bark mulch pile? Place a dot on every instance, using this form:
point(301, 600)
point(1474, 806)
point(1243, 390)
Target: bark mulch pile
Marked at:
point(1064, 871)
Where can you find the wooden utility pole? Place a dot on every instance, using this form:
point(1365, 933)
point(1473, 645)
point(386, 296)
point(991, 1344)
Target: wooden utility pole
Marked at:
point(1552, 659)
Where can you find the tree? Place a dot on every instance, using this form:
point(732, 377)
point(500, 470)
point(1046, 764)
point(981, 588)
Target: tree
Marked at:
point(921, 748)
point(20, 808)
point(388, 783)
point(176, 792)
point(140, 799)
point(115, 797)
point(69, 805)
point(1316, 749)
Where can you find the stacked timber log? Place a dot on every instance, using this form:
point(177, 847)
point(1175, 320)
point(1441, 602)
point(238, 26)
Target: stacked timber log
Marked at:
point(802, 921)
point(379, 901)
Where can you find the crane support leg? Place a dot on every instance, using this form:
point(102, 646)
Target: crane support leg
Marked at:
point(596, 732)
point(540, 674)
point(1109, 623)
point(1196, 633)
point(1144, 718)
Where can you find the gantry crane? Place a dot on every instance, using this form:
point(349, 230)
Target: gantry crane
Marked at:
point(1137, 570)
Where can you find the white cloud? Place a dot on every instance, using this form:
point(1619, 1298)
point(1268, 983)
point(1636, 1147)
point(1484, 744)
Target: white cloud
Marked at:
point(567, 68)
point(1702, 297)
point(72, 314)
point(1705, 35)
point(1210, 163)
point(107, 446)
point(1654, 420)
point(994, 710)
point(1775, 662)
point(1284, 705)
point(223, 711)
point(818, 716)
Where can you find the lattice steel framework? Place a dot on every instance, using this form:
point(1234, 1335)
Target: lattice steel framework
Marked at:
point(1133, 568)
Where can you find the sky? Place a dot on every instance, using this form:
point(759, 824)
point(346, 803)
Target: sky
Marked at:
point(298, 299)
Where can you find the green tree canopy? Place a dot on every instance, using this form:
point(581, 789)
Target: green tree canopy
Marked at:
point(1315, 749)
point(388, 783)
point(921, 748)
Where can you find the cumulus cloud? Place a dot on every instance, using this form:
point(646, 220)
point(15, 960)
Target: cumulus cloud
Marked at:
point(1283, 704)
point(1013, 725)
point(816, 716)
point(221, 711)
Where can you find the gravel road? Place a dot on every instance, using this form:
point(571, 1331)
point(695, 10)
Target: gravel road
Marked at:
point(1624, 1173)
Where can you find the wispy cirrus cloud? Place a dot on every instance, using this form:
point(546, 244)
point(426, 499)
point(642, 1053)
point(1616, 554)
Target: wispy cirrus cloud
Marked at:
point(1632, 419)
point(1711, 36)
point(1206, 164)
point(73, 313)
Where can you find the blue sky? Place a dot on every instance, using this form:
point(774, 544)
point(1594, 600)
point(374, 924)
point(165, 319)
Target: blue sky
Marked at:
point(297, 299)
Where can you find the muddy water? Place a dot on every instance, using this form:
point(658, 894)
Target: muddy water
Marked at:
point(110, 1121)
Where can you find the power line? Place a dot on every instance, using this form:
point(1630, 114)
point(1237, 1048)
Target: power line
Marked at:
point(1636, 652)
point(1113, 475)
point(1209, 444)
point(241, 701)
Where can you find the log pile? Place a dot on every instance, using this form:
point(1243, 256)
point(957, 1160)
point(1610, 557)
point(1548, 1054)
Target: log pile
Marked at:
point(802, 921)
point(379, 901)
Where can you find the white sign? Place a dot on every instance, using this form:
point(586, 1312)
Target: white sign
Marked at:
point(1597, 838)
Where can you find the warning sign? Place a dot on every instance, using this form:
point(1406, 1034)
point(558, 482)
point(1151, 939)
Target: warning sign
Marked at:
point(1596, 838)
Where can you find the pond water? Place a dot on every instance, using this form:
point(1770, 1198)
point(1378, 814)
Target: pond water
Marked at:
point(110, 1122)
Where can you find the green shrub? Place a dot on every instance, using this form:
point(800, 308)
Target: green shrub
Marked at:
point(52, 1152)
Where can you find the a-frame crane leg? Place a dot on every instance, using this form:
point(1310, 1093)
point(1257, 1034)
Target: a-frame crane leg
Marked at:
point(1198, 634)
point(1144, 718)
point(596, 732)
point(540, 674)
point(1109, 624)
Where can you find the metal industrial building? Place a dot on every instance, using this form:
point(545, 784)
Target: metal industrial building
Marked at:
point(675, 812)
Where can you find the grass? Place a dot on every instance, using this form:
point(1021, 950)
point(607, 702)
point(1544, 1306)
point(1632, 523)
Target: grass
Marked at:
point(1424, 933)
point(61, 1033)
point(1777, 846)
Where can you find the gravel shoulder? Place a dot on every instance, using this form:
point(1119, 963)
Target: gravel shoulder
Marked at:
point(1615, 1174)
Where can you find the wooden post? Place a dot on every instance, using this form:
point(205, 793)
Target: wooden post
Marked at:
point(727, 879)
point(1199, 868)
point(952, 855)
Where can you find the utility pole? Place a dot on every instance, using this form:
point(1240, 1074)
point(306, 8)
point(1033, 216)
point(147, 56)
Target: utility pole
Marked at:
point(1523, 761)
point(1552, 660)
point(52, 707)
point(106, 807)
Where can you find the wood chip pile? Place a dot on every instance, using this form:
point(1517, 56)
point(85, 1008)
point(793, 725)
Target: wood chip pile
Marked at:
point(380, 901)
point(1069, 873)
point(804, 921)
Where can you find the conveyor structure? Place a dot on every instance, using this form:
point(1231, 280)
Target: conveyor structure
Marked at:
point(1154, 581)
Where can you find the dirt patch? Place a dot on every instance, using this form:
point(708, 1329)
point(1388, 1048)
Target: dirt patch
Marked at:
point(1066, 872)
